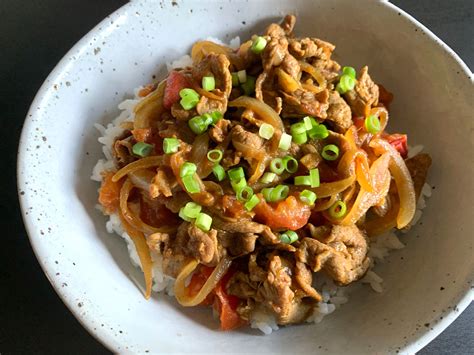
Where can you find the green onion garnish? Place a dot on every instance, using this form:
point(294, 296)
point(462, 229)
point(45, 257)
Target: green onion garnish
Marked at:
point(308, 197)
point(242, 75)
point(189, 98)
point(238, 185)
point(298, 128)
point(268, 178)
point(338, 209)
point(236, 173)
point(190, 211)
point(142, 149)
point(330, 152)
point(190, 184)
point(249, 85)
point(303, 180)
point(170, 145)
point(203, 222)
point(290, 164)
point(258, 45)
point(372, 124)
point(266, 192)
point(216, 116)
point(288, 237)
point(280, 192)
point(187, 168)
point(207, 119)
point(215, 155)
point(346, 83)
point(250, 204)
point(276, 166)
point(218, 172)
point(244, 194)
point(266, 131)
point(349, 71)
point(318, 132)
point(308, 124)
point(314, 177)
point(300, 138)
point(197, 125)
point(235, 79)
point(285, 141)
point(208, 83)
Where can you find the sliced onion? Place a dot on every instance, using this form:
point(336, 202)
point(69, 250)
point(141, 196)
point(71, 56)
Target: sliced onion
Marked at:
point(265, 112)
point(142, 179)
point(142, 163)
point(379, 226)
point(382, 114)
point(403, 180)
point(381, 178)
point(324, 205)
point(180, 285)
point(199, 155)
point(151, 106)
point(248, 151)
point(327, 189)
point(314, 73)
point(286, 81)
point(143, 253)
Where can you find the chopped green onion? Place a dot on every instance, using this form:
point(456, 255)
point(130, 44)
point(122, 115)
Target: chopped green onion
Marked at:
point(290, 164)
point(300, 138)
point(189, 98)
point(190, 184)
point(298, 128)
point(197, 125)
point(268, 178)
point(318, 132)
point(302, 180)
point(183, 216)
point(215, 155)
point(218, 172)
point(191, 210)
point(346, 83)
point(266, 131)
point(314, 177)
point(279, 192)
point(244, 194)
point(285, 141)
point(216, 116)
point(207, 119)
point(372, 124)
point(266, 192)
point(338, 209)
point(235, 79)
point(187, 168)
point(308, 124)
point(238, 185)
point(208, 83)
point(242, 75)
point(276, 166)
point(349, 71)
point(170, 145)
point(142, 149)
point(250, 204)
point(249, 85)
point(308, 197)
point(289, 237)
point(236, 174)
point(258, 45)
point(330, 152)
point(203, 222)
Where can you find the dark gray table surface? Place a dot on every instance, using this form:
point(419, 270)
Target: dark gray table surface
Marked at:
point(34, 35)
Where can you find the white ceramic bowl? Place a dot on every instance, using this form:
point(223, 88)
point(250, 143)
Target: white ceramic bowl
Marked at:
point(426, 284)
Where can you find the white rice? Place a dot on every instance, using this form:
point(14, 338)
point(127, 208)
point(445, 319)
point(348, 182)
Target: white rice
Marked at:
point(333, 296)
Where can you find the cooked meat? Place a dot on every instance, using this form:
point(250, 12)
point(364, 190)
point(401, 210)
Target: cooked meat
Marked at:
point(342, 254)
point(418, 167)
point(123, 151)
point(162, 183)
point(193, 242)
point(220, 130)
point(339, 112)
point(216, 65)
point(237, 244)
point(364, 95)
point(311, 47)
point(241, 136)
point(304, 103)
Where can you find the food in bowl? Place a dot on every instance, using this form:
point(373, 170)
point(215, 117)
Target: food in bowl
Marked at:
point(259, 180)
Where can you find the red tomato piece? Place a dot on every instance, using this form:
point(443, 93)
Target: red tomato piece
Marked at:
point(175, 82)
point(287, 214)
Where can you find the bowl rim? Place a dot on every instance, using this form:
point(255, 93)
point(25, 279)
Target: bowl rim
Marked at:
point(33, 234)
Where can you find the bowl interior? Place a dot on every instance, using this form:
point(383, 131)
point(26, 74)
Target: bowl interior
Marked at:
point(90, 268)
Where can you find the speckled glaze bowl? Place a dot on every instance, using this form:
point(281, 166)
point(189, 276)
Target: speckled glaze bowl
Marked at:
point(426, 284)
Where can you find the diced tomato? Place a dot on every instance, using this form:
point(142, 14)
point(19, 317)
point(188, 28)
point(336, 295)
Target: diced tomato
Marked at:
point(109, 193)
point(232, 207)
point(175, 82)
point(226, 305)
point(359, 122)
point(197, 281)
point(157, 215)
point(399, 142)
point(385, 96)
point(287, 214)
